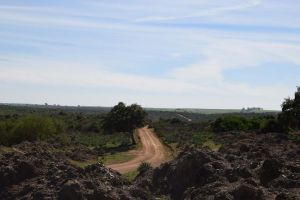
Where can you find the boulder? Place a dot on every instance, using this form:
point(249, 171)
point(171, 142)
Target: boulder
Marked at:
point(247, 192)
point(270, 170)
point(71, 190)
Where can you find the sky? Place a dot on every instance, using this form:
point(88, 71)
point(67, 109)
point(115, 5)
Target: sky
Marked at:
point(159, 53)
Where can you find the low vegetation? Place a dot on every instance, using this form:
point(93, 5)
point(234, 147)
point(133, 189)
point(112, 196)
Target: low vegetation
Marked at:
point(106, 133)
point(207, 132)
point(177, 131)
point(144, 166)
point(238, 123)
point(28, 128)
point(131, 175)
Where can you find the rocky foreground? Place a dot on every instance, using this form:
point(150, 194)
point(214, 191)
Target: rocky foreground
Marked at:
point(36, 171)
point(253, 167)
point(256, 167)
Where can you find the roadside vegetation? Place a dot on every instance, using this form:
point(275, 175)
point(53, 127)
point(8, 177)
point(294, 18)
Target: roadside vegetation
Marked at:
point(144, 166)
point(105, 131)
point(109, 135)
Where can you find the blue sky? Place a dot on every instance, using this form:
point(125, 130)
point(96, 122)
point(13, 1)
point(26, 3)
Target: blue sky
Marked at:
point(192, 53)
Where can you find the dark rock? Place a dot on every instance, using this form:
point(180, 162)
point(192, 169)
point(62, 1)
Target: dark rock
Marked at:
point(41, 195)
point(247, 192)
point(270, 170)
point(223, 196)
point(190, 170)
point(230, 175)
point(37, 175)
point(243, 172)
point(244, 148)
point(256, 168)
point(25, 170)
point(282, 196)
point(71, 190)
point(7, 175)
point(26, 189)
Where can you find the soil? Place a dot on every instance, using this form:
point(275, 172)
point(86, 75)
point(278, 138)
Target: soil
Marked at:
point(152, 151)
point(252, 167)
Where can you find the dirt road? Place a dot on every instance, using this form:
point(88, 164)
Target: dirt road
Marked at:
point(152, 151)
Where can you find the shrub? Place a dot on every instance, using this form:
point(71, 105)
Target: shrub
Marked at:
point(200, 138)
point(255, 123)
point(230, 123)
point(29, 128)
point(271, 125)
point(294, 137)
point(5, 131)
point(237, 123)
point(144, 166)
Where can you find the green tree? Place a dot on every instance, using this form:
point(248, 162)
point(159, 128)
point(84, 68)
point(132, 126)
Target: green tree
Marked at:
point(124, 118)
point(290, 115)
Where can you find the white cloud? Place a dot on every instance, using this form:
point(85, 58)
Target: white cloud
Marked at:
point(225, 54)
point(73, 74)
point(207, 12)
point(159, 92)
point(199, 82)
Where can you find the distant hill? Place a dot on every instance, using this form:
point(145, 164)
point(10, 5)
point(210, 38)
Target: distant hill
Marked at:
point(189, 114)
point(209, 111)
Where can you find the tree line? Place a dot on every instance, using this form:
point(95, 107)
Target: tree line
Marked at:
point(32, 126)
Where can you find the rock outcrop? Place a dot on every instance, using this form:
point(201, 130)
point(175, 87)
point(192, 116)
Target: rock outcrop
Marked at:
point(252, 167)
point(257, 168)
point(34, 172)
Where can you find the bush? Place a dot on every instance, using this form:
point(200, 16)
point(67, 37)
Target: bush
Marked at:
point(29, 128)
point(177, 131)
point(230, 123)
point(200, 138)
point(103, 141)
point(294, 137)
point(5, 131)
point(271, 125)
point(144, 166)
point(237, 123)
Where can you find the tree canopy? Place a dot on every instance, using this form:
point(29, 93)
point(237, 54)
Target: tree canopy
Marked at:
point(124, 118)
point(290, 116)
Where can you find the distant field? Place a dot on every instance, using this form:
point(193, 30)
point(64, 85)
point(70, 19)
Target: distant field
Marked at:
point(21, 108)
point(205, 111)
point(195, 110)
point(107, 109)
point(154, 114)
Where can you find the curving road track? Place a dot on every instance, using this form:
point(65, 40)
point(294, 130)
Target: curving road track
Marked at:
point(152, 151)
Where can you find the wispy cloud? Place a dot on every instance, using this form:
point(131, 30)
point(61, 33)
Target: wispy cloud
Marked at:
point(168, 51)
point(204, 13)
point(231, 54)
point(73, 74)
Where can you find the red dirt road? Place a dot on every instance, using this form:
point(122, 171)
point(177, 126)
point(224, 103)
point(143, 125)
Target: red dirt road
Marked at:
point(152, 151)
